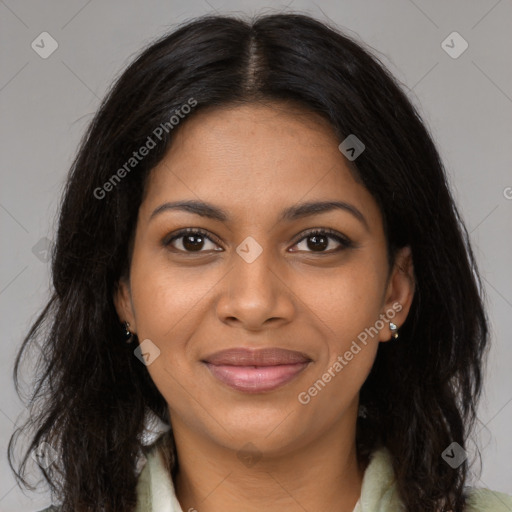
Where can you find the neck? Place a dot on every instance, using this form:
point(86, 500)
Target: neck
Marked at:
point(323, 474)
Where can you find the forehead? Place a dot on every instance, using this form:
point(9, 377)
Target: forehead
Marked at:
point(256, 158)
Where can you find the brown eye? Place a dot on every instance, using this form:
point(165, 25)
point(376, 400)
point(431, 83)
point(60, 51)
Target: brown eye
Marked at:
point(319, 240)
point(191, 240)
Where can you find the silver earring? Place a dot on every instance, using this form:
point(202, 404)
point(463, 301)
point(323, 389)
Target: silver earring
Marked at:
point(394, 330)
point(128, 334)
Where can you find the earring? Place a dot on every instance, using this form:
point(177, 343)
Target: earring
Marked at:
point(394, 330)
point(128, 334)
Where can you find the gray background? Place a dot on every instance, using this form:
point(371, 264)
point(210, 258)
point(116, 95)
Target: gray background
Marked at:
point(45, 105)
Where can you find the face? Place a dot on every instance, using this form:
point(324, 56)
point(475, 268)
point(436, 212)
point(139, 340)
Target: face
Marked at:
point(262, 272)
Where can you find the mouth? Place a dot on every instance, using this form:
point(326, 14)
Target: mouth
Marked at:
point(256, 370)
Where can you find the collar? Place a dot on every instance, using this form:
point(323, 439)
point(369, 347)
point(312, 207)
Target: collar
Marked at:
point(156, 492)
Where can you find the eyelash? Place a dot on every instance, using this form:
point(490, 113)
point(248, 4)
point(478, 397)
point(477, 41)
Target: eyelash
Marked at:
point(345, 242)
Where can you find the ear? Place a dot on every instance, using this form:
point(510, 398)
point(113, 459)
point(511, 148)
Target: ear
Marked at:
point(399, 292)
point(123, 303)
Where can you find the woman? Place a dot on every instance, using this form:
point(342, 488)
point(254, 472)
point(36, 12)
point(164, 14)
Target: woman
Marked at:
point(258, 210)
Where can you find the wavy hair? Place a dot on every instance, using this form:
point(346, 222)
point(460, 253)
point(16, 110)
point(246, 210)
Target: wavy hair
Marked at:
point(90, 395)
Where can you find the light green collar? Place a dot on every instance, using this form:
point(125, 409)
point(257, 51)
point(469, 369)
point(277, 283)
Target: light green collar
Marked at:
point(156, 493)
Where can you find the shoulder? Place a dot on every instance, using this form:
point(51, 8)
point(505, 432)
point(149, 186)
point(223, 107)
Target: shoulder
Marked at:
point(379, 487)
point(485, 500)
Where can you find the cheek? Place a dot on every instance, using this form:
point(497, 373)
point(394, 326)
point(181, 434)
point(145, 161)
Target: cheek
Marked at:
point(337, 385)
point(165, 300)
point(346, 308)
point(169, 306)
point(352, 340)
point(346, 299)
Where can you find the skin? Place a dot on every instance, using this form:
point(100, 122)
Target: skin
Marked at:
point(253, 161)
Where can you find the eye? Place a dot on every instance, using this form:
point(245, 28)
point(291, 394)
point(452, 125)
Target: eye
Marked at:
point(191, 240)
point(317, 240)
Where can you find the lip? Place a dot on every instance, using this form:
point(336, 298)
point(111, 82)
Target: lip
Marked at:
point(256, 370)
point(272, 356)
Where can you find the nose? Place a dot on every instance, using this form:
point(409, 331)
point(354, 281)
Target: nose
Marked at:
point(254, 293)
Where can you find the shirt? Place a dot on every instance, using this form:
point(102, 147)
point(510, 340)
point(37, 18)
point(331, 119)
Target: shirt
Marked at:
point(156, 493)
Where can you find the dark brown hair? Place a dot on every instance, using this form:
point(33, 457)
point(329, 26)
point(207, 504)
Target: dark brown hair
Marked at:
point(91, 393)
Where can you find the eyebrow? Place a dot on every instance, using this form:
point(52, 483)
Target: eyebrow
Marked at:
point(289, 214)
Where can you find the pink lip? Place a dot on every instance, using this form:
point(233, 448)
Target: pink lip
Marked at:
point(256, 357)
point(256, 379)
point(256, 370)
